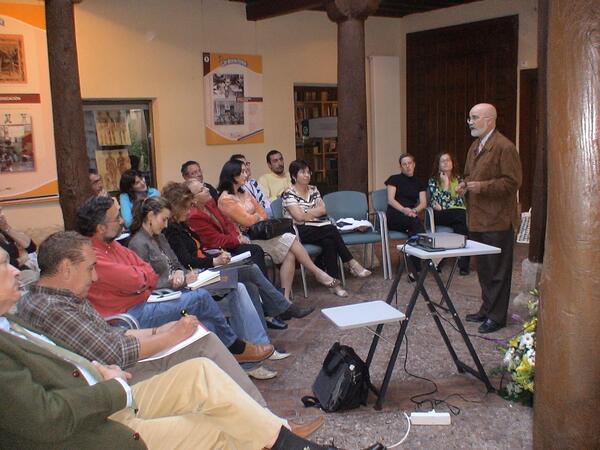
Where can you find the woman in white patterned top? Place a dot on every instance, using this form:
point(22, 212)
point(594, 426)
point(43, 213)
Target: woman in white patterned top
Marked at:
point(303, 203)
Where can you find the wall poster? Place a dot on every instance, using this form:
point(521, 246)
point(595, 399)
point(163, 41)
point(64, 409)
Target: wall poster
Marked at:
point(233, 102)
point(27, 158)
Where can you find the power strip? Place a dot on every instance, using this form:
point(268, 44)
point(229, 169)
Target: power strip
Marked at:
point(430, 418)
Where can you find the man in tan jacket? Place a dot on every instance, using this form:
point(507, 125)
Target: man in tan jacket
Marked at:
point(492, 179)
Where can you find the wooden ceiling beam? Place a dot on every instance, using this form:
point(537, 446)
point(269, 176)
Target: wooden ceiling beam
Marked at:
point(265, 9)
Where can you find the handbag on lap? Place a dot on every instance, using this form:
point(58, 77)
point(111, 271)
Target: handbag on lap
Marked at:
point(270, 228)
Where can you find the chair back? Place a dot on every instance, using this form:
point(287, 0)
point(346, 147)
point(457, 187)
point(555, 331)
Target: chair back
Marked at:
point(277, 208)
point(347, 204)
point(379, 198)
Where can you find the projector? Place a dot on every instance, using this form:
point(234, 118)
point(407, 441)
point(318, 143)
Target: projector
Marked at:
point(441, 241)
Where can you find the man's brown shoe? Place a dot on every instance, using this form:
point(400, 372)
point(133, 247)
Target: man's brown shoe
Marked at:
point(255, 353)
point(306, 429)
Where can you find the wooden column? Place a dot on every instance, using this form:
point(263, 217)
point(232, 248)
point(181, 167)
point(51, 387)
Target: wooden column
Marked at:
point(539, 195)
point(352, 144)
point(567, 379)
point(67, 109)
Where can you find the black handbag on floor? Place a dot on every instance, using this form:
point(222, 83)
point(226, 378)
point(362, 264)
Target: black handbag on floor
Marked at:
point(342, 383)
point(270, 228)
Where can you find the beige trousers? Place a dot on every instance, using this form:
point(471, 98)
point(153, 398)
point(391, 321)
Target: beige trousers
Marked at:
point(209, 346)
point(195, 405)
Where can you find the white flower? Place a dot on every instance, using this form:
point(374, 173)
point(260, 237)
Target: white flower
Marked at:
point(526, 341)
point(531, 356)
point(508, 356)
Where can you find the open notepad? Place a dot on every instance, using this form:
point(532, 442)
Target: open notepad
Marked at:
point(205, 278)
point(237, 258)
point(163, 295)
point(199, 333)
point(317, 223)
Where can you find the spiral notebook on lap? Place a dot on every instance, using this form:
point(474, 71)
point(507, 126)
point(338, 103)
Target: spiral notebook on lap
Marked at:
point(204, 279)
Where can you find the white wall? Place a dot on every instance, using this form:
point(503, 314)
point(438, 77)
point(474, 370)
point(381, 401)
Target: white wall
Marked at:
point(153, 49)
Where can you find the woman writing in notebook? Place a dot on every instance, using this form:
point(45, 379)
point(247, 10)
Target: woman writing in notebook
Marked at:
point(243, 209)
point(268, 300)
point(215, 230)
point(150, 218)
point(303, 203)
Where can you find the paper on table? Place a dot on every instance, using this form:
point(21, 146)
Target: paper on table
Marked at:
point(204, 278)
point(199, 333)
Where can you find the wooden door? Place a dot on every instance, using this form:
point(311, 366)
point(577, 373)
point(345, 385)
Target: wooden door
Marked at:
point(527, 133)
point(448, 70)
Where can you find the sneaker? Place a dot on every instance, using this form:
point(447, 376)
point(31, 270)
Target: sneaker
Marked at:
point(277, 355)
point(261, 373)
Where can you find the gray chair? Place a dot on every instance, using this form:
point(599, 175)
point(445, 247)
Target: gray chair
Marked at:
point(430, 223)
point(380, 204)
point(354, 204)
point(128, 319)
point(312, 250)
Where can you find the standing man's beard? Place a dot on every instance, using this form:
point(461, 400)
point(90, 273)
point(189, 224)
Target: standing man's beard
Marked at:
point(474, 132)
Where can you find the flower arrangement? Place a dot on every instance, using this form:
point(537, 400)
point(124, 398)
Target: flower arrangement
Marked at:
point(519, 357)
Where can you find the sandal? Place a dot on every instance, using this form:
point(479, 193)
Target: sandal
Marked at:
point(358, 271)
point(336, 288)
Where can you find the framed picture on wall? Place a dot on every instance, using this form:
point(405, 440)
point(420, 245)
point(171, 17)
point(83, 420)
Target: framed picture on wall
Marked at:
point(12, 59)
point(16, 142)
point(110, 165)
point(233, 101)
point(118, 136)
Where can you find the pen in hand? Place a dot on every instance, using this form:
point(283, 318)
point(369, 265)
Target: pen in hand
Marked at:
point(184, 313)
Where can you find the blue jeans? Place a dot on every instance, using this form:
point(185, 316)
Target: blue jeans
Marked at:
point(243, 317)
point(198, 303)
point(260, 288)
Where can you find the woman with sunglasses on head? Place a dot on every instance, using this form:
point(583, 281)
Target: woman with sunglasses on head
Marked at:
point(133, 187)
point(215, 230)
point(243, 209)
point(303, 203)
point(187, 245)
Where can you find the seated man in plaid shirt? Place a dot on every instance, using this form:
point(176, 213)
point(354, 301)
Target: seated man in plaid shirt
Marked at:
point(57, 306)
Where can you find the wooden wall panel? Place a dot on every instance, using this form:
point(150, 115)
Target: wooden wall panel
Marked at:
point(448, 70)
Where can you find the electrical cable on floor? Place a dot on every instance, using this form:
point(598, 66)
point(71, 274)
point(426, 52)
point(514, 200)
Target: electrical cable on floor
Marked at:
point(433, 402)
point(405, 434)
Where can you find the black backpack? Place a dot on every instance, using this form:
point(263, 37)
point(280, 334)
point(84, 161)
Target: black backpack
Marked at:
point(342, 383)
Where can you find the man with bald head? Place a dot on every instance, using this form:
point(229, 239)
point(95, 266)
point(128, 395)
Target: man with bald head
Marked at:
point(492, 179)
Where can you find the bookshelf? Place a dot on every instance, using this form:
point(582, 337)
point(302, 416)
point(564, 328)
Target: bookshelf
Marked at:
point(316, 133)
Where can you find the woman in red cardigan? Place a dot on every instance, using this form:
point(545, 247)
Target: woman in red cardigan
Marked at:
point(217, 231)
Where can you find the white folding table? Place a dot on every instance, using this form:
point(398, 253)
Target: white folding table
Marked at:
point(472, 248)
